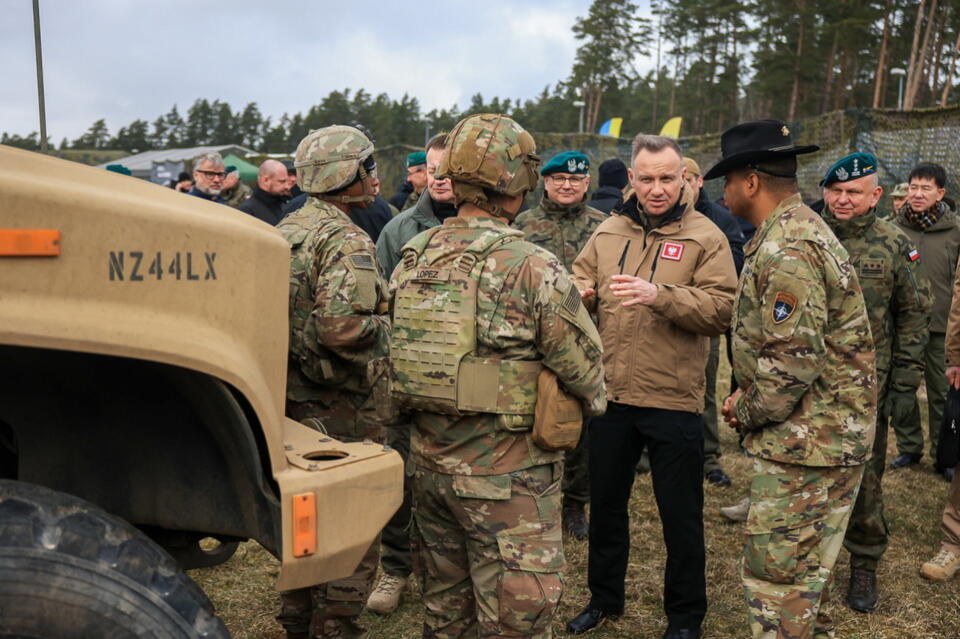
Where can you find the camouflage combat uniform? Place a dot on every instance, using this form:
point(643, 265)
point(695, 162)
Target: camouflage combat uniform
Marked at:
point(564, 230)
point(337, 327)
point(803, 356)
point(486, 498)
point(237, 196)
point(897, 299)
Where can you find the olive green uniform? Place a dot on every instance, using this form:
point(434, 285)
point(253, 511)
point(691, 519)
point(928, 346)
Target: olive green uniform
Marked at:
point(898, 301)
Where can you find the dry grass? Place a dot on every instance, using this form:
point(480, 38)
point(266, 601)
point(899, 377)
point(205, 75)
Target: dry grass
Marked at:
point(242, 589)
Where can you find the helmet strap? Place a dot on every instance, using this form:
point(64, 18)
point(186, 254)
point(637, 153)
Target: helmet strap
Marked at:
point(367, 198)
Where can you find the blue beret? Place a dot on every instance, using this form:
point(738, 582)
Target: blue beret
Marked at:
point(854, 166)
point(119, 168)
point(567, 162)
point(416, 159)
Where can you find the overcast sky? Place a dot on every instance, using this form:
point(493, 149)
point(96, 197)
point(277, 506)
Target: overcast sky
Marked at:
point(128, 59)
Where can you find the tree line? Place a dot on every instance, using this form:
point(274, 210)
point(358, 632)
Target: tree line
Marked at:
point(716, 62)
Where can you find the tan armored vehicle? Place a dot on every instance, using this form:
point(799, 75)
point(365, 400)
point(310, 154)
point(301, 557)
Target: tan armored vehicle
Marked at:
point(143, 352)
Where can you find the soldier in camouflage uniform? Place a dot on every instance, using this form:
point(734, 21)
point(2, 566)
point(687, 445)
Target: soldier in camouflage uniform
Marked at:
point(803, 359)
point(479, 314)
point(338, 326)
point(562, 224)
point(898, 303)
point(417, 177)
point(234, 191)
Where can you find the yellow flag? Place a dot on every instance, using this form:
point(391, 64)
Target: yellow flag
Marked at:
point(672, 128)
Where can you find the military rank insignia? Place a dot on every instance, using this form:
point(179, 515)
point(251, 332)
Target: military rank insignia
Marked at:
point(783, 306)
point(671, 251)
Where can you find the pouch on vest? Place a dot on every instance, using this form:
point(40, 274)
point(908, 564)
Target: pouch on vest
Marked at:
point(434, 340)
point(948, 447)
point(558, 418)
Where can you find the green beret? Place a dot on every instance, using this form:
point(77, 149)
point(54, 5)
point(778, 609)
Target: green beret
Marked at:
point(854, 166)
point(230, 168)
point(416, 159)
point(119, 168)
point(567, 162)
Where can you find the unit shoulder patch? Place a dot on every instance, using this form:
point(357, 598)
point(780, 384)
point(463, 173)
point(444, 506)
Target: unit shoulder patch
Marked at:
point(784, 304)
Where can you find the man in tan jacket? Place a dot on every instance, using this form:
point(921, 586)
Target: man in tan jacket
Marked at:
point(660, 278)
point(946, 564)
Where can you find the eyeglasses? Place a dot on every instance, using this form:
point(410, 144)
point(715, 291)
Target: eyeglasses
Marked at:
point(212, 174)
point(574, 180)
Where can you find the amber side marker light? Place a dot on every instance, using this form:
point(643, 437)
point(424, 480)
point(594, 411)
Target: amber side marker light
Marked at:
point(29, 243)
point(304, 524)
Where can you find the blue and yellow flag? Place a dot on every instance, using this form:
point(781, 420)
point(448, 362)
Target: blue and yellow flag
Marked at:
point(611, 127)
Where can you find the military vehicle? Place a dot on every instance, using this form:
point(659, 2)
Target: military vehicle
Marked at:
point(143, 354)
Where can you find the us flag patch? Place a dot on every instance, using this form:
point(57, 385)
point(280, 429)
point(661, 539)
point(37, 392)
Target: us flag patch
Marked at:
point(914, 255)
point(671, 251)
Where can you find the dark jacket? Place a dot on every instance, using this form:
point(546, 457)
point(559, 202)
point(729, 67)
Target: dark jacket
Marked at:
point(725, 221)
point(264, 206)
point(606, 198)
point(400, 197)
point(204, 196)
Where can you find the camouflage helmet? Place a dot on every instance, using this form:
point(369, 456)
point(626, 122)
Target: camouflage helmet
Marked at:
point(489, 153)
point(329, 158)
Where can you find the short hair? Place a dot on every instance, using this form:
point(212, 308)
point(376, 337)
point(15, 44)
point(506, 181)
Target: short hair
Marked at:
point(270, 167)
point(438, 141)
point(654, 143)
point(778, 175)
point(929, 171)
point(212, 157)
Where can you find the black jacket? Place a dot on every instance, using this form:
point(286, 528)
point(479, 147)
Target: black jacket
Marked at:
point(606, 198)
point(264, 206)
point(726, 223)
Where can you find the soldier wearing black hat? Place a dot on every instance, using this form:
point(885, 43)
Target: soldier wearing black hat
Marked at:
point(804, 362)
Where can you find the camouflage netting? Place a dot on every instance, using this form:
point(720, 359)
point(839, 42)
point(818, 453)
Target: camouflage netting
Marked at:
point(899, 139)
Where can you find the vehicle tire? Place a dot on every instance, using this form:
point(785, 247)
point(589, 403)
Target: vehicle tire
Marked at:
point(68, 570)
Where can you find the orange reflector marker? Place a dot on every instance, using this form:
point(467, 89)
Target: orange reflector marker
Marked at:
point(304, 524)
point(29, 243)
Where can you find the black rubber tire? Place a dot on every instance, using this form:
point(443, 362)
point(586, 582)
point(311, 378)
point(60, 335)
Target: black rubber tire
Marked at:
point(68, 570)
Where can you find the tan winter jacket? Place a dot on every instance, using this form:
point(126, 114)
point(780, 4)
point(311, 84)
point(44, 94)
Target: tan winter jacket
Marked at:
point(655, 356)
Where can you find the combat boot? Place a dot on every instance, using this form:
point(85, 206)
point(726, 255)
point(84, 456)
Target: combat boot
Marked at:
point(386, 596)
point(575, 520)
point(737, 512)
point(343, 628)
point(943, 567)
point(862, 595)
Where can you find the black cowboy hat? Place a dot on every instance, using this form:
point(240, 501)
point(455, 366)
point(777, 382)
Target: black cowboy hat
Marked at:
point(755, 142)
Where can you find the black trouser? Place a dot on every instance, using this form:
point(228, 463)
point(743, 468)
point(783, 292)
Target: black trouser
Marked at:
point(674, 440)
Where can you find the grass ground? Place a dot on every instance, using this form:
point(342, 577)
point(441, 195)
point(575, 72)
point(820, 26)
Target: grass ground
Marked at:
point(242, 589)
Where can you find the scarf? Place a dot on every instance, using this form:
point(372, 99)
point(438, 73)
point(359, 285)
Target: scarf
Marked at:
point(923, 220)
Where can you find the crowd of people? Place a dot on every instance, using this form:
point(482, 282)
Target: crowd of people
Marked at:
point(434, 327)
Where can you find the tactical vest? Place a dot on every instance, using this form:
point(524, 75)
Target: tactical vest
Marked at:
point(312, 359)
point(433, 348)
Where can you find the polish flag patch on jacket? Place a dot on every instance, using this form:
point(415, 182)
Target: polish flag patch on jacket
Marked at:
point(671, 251)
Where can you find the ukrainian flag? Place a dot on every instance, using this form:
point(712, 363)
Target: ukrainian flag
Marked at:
point(611, 127)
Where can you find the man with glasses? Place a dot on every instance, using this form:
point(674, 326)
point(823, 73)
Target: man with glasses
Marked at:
point(934, 230)
point(208, 175)
point(562, 224)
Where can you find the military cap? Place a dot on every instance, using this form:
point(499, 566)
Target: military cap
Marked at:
point(416, 159)
point(119, 168)
point(692, 166)
point(230, 168)
point(901, 190)
point(757, 141)
point(567, 162)
point(854, 166)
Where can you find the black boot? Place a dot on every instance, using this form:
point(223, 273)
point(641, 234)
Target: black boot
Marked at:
point(575, 520)
point(862, 595)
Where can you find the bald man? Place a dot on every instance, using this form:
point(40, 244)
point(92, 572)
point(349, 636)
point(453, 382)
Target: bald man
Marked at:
point(271, 192)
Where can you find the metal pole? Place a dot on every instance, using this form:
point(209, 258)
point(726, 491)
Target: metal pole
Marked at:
point(581, 118)
point(900, 94)
point(43, 109)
